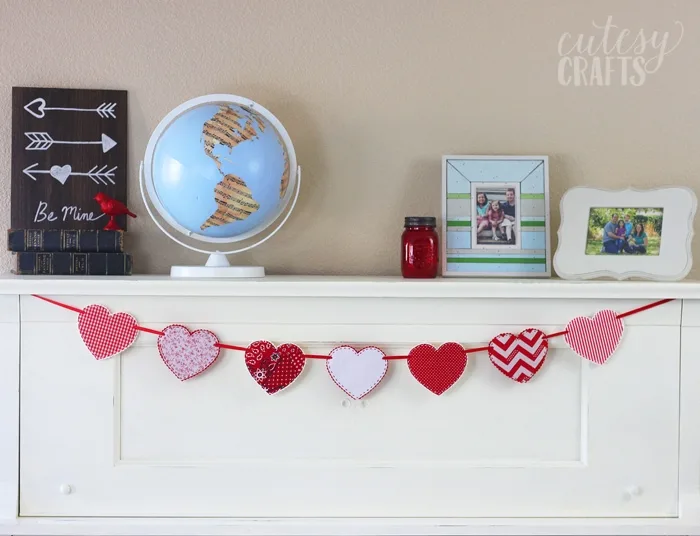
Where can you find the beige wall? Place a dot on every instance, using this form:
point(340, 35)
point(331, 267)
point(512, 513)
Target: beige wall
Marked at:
point(372, 93)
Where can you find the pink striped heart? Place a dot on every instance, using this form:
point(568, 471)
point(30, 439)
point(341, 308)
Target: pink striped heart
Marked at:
point(519, 357)
point(597, 338)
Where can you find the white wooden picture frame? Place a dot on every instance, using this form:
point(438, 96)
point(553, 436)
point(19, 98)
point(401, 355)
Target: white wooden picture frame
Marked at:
point(671, 259)
point(468, 249)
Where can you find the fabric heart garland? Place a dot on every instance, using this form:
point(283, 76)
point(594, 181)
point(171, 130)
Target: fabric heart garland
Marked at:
point(187, 354)
point(519, 357)
point(106, 334)
point(437, 369)
point(597, 338)
point(274, 368)
point(357, 373)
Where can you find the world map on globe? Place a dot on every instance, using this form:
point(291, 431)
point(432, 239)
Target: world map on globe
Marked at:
point(221, 170)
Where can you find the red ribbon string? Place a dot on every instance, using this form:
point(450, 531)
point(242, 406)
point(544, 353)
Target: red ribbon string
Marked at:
point(64, 305)
point(389, 357)
point(231, 347)
point(149, 330)
point(644, 308)
point(557, 334)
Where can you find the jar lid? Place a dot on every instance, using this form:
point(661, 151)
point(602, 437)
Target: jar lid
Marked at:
point(419, 221)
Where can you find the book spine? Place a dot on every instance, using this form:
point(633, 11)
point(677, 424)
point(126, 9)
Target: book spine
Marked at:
point(63, 240)
point(63, 263)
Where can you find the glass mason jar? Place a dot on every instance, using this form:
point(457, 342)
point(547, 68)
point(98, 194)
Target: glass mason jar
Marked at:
point(419, 248)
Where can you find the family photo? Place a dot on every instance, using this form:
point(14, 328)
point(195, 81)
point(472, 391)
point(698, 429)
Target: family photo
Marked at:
point(495, 210)
point(620, 231)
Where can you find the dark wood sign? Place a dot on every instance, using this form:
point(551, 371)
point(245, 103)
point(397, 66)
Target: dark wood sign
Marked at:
point(67, 145)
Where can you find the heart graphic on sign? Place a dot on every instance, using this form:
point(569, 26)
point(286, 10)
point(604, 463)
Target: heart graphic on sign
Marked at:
point(61, 173)
point(357, 373)
point(437, 369)
point(521, 356)
point(36, 108)
point(596, 338)
point(106, 334)
point(274, 368)
point(186, 353)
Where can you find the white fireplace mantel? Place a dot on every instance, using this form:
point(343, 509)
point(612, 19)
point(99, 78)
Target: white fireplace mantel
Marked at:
point(123, 447)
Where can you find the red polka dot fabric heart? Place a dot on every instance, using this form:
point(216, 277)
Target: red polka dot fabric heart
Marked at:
point(106, 334)
point(597, 338)
point(274, 368)
point(186, 353)
point(437, 369)
point(521, 356)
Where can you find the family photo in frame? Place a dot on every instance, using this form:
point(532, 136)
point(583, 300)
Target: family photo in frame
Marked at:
point(634, 231)
point(495, 216)
point(625, 234)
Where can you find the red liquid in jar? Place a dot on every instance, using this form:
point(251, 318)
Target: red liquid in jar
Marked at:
point(420, 248)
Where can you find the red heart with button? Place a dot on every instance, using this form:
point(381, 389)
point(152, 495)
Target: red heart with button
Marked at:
point(437, 369)
point(521, 356)
point(274, 368)
point(106, 334)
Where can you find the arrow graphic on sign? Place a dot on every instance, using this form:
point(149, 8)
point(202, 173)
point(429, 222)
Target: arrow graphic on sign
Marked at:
point(38, 109)
point(61, 173)
point(40, 141)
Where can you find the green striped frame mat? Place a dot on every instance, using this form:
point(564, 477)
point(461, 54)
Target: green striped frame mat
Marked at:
point(497, 260)
point(468, 223)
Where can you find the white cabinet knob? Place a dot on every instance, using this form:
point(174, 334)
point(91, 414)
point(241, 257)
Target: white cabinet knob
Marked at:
point(65, 489)
point(632, 491)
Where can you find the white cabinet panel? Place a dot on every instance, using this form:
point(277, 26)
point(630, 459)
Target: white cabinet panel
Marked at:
point(9, 406)
point(131, 440)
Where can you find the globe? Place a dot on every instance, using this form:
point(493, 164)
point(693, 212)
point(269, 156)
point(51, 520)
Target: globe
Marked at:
point(219, 169)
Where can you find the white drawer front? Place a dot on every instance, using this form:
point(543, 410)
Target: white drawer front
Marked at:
point(132, 440)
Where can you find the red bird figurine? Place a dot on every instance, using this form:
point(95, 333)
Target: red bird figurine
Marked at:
point(112, 208)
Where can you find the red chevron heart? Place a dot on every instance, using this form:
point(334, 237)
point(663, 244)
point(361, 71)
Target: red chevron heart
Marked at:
point(519, 357)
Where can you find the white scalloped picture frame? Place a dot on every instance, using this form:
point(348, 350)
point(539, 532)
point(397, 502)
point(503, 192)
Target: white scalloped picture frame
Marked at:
point(675, 257)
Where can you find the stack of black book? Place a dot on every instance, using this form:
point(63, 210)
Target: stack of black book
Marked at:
point(68, 252)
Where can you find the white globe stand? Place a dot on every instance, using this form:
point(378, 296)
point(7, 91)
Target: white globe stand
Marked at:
point(217, 265)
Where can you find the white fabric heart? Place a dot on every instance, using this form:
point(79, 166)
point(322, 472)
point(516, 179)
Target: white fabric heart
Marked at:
point(61, 173)
point(357, 373)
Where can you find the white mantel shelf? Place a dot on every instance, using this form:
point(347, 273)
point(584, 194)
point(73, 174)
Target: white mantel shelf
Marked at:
point(348, 286)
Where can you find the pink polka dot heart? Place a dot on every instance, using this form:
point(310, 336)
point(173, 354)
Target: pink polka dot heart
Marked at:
point(106, 334)
point(274, 368)
point(186, 353)
point(437, 370)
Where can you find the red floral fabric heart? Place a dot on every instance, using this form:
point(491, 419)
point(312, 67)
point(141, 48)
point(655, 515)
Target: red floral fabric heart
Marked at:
point(274, 368)
point(186, 353)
